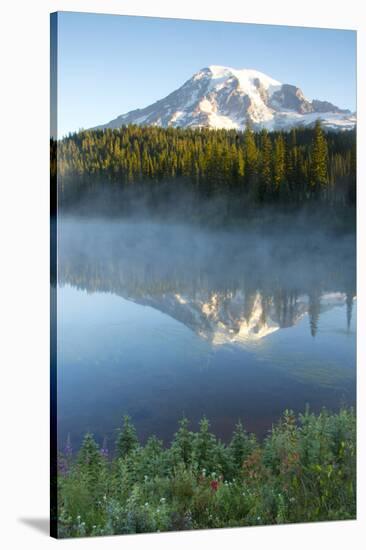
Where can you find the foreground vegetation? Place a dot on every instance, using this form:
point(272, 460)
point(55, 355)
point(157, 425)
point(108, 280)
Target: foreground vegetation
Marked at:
point(303, 471)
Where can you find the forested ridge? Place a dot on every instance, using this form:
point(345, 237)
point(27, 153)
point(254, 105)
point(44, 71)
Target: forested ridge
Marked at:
point(288, 167)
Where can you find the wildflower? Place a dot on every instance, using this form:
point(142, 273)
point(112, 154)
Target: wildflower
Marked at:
point(214, 485)
point(104, 450)
point(63, 466)
point(162, 500)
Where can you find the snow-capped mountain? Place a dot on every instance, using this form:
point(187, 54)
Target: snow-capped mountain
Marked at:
point(223, 97)
point(224, 318)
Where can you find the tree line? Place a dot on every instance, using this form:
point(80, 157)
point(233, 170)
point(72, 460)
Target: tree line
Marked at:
point(295, 166)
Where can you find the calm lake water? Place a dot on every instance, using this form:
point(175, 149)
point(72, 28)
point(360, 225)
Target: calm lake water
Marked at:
point(157, 321)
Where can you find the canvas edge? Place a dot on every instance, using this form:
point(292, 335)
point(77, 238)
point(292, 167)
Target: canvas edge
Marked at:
point(53, 273)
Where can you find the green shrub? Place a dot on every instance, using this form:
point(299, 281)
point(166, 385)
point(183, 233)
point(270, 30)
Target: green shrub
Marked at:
point(305, 470)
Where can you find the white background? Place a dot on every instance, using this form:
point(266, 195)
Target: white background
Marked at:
point(24, 283)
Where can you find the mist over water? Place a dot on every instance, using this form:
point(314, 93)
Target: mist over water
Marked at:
point(159, 319)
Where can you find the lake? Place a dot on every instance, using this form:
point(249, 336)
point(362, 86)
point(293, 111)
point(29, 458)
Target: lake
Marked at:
point(158, 321)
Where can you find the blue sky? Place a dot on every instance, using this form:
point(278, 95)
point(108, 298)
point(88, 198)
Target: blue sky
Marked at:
point(111, 64)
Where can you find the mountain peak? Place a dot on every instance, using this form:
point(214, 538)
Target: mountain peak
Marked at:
point(244, 76)
point(218, 96)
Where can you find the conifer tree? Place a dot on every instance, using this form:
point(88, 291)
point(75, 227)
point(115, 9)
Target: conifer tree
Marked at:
point(291, 159)
point(89, 455)
point(204, 446)
point(183, 441)
point(241, 445)
point(250, 155)
point(266, 166)
point(319, 158)
point(127, 439)
point(279, 163)
point(90, 463)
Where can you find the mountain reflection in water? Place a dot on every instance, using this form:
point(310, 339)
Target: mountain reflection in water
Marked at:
point(157, 321)
point(228, 286)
